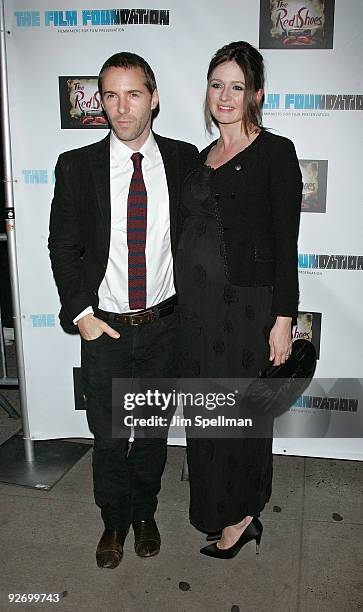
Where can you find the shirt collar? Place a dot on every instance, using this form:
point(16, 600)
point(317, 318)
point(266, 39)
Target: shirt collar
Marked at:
point(121, 153)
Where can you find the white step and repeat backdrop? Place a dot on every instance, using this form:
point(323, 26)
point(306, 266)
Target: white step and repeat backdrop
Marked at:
point(313, 58)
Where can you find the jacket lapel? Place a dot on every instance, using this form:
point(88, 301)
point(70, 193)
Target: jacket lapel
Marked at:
point(100, 166)
point(99, 155)
point(168, 150)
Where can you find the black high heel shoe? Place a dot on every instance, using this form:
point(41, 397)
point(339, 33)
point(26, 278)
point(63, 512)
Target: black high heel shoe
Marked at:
point(214, 535)
point(253, 531)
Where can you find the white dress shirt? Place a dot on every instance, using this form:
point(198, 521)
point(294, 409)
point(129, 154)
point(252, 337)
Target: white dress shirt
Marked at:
point(113, 291)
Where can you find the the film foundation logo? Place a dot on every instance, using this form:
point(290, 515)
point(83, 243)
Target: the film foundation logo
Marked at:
point(309, 328)
point(314, 179)
point(321, 402)
point(296, 24)
point(80, 103)
point(42, 320)
point(92, 20)
point(313, 263)
point(37, 176)
point(333, 395)
point(329, 408)
point(310, 103)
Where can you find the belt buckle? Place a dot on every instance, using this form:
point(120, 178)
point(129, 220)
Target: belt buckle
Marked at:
point(147, 317)
point(144, 318)
point(133, 322)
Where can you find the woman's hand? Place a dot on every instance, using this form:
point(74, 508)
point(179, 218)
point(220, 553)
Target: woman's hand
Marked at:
point(280, 340)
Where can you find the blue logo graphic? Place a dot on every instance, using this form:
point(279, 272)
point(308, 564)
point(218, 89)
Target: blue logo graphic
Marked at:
point(342, 404)
point(27, 19)
point(330, 262)
point(311, 101)
point(35, 177)
point(38, 177)
point(43, 320)
point(60, 18)
point(115, 17)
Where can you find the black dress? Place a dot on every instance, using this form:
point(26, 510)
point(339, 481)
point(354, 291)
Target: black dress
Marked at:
point(225, 332)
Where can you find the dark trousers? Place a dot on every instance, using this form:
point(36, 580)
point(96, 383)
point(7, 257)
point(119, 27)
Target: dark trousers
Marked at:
point(126, 481)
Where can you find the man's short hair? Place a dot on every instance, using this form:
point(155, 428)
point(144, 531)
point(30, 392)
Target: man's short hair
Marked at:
point(124, 59)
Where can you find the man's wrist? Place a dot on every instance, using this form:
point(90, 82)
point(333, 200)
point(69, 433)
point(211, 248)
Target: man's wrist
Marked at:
point(82, 319)
point(86, 311)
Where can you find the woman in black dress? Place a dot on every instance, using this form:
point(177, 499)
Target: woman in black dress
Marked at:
point(238, 285)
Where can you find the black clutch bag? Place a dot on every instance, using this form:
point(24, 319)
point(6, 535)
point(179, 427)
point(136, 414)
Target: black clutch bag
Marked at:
point(278, 387)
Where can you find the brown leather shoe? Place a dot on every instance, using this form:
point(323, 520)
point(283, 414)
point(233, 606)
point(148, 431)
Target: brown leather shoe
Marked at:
point(110, 548)
point(147, 538)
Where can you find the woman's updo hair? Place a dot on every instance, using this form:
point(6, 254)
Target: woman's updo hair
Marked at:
point(251, 63)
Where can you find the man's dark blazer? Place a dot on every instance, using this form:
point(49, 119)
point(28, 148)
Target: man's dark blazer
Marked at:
point(80, 220)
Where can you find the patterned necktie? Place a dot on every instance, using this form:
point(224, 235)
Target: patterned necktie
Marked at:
point(136, 236)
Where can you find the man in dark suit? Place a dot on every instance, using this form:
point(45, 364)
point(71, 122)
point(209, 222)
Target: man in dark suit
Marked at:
point(113, 231)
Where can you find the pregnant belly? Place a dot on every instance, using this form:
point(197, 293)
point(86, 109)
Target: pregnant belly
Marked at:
point(198, 258)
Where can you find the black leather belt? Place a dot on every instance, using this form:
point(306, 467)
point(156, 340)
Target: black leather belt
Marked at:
point(163, 309)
